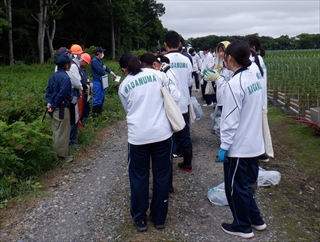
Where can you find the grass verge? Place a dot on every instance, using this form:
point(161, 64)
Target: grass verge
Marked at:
point(295, 201)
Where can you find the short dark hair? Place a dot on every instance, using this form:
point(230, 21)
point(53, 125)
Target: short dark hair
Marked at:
point(147, 59)
point(191, 50)
point(172, 39)
point(205, 47)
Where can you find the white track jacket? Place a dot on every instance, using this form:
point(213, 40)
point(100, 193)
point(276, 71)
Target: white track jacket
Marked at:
point(182, 68)
point(142, 99)
point(241, 118)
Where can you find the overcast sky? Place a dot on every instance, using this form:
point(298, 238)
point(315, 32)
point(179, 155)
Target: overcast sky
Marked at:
point(240, 17)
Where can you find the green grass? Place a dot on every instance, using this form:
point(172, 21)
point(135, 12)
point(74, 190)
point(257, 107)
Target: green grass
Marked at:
point(294, 203)
point(304, 144)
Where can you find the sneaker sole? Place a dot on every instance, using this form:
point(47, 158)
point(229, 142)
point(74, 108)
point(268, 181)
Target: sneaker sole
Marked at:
point(240, 234)
point(159, 226)
point(259, 227)
point(265, 160)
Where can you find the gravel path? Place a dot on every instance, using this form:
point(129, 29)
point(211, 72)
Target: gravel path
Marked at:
point(90, 202)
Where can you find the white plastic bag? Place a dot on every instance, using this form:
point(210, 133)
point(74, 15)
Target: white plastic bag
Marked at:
point(217, 195)
point(268, 178)
point(196, 108)
point(215, 121)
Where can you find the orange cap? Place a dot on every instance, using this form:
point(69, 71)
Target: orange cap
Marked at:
point(86, 57)
point(76, 49)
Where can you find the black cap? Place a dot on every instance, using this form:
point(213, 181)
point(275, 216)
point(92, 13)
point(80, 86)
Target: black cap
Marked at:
point(63, 50)
point(100, 49)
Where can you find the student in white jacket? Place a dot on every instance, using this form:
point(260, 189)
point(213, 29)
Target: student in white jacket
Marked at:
point(221, 75)
point(207, 64)
point(149, 135)
point(196, 66)
point(255, 46)
point(161, 66)
point(182, 68)
point(241, 141)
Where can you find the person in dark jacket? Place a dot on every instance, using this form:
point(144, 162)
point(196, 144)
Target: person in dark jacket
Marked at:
point(85, 60)
point(58, 96)
point(98, 69)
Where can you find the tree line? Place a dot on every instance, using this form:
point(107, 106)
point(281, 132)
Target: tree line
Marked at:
point(284, 42)
point(31, 31)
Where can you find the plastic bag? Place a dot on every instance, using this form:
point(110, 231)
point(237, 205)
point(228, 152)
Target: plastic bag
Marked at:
point(217, 195)
point(268, 178)
point(215, 121)
point(196, 108)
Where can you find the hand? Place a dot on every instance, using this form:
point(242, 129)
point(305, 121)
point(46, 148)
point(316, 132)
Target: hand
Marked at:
point(211, 76)
point(222, 155)
point(115, 76)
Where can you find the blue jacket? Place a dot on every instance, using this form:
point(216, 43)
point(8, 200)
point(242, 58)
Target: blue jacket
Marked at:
point(84, 73)
point(97, 69)
point(59, 89)
point(185, 53)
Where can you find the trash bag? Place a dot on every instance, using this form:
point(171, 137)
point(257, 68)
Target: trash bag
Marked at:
point(196, 108)
point(215, 121)
point(217, 195)
point(268, 178)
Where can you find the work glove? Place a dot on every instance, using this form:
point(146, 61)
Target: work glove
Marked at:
point(211, 75)
point(222, 155)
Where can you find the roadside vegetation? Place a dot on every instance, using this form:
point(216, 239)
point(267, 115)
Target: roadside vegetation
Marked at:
point(26, 141)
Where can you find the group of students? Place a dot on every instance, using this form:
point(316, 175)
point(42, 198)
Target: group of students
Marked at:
point(238, 75)
point(68, 93)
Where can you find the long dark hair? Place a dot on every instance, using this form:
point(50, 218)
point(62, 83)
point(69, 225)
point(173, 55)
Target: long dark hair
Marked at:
point(254, 41)
point(240, 52)
point(131, 62)
point(257, 61)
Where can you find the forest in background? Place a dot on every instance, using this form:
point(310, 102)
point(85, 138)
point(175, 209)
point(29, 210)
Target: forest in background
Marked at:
point(32, 31)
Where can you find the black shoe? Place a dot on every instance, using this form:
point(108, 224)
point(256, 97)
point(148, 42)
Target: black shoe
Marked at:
point(228, 228)
point(259, 225)
point(140, 225)
point(263, 158)
point(159, 226)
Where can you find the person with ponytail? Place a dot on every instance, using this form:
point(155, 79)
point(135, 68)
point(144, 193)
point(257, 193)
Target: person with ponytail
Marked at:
point(257, 56)
point(241, 141)
point(160, 64)
point(149, 135)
